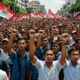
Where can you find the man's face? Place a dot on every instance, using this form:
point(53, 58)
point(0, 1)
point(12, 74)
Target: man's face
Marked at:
point(4, 44)
point(55, 47)
point(74, 56)
point(78, 44)
point(49, 56)
point(55, 29)
point(45, 42)
point(22, 45)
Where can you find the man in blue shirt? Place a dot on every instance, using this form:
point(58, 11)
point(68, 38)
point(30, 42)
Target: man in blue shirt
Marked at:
point(72, 67)
point(21, 64)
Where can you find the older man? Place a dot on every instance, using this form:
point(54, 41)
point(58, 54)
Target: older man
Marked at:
point(48, 69)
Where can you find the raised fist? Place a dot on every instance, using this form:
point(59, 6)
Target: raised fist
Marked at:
point(13, 32)
point(41, 32)
point(32, 33)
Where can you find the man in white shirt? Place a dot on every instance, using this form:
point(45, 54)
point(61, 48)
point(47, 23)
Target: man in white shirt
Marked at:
point(48, 69)
point(3, 75)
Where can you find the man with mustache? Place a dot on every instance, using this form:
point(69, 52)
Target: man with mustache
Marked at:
point(48, 69)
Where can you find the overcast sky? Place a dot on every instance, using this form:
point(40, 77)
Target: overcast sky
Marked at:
point(54, 5)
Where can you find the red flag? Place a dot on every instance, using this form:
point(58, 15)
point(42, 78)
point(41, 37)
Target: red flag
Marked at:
point(40, 14)
point(6, 12)
point(50, 12)
point(22, 16)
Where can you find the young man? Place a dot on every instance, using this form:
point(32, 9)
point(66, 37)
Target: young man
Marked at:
point(21, 64)
point(5, 61)
point(72, 67)
point(48, 69)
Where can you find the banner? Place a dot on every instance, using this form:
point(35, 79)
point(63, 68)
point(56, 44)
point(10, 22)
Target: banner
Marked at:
point(5, 12)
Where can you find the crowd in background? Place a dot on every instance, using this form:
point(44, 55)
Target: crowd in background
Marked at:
point(15, 59)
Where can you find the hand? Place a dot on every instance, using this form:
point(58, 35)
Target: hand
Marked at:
point(64, 38)
point(32, 33)
point(41, 32)
point(13, 32)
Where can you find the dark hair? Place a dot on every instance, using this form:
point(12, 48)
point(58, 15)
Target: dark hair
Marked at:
point(55, 42)
point(77, 40)
point(73, 50)
point(47, 49)
point(22, 39)
point(4, 42)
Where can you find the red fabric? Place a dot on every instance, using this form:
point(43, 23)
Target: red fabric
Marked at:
point(40, 14)
point(22, 16)
point(5, 8)
point(50, 12)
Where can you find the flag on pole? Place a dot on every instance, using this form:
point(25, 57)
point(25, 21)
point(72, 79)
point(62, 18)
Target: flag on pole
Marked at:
point(5, 12)
point(50, 13)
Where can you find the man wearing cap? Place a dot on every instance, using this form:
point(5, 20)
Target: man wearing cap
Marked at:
point(4, 50)
point(4, 57)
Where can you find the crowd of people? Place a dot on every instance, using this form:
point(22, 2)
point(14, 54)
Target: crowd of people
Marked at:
point(40, 49)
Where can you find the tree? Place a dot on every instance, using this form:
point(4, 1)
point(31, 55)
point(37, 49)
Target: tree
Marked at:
point(75, 7)
point(11, 4)
point(29, 9)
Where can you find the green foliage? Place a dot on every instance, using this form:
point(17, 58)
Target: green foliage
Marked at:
point(77, 1)
point(75, 7)
point(29, 9)
point(11, 4)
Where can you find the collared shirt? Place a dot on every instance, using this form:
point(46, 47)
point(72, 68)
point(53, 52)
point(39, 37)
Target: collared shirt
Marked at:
point(40, 52)
point(71, 72)
point(46, 73)
point(21, 66)
point(3, 75)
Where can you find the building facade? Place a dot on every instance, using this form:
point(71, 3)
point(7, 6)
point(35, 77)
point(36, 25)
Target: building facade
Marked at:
point(35, 4)
point(70, 1)
point(22, 3)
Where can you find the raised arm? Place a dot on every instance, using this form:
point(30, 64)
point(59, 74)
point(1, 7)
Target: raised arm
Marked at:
point(32, 46)
point(13, 33)
point(40, 35)
point(64, 40)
